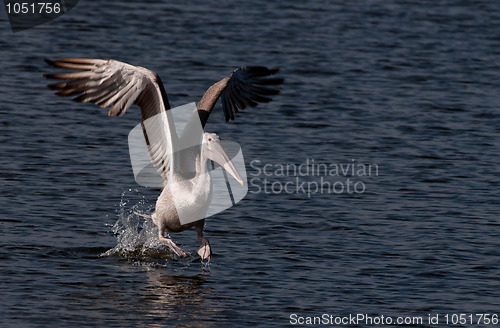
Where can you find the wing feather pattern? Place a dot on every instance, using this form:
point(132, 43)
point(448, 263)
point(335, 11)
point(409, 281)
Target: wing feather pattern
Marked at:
point(245, 86)
point(119, 85)
point(114, 84)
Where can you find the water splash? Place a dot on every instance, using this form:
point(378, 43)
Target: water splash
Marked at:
point(137, 236)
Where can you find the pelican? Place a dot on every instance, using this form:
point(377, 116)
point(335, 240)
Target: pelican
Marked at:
point(118, 85)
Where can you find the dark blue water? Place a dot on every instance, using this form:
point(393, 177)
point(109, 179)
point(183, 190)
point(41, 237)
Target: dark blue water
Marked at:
point(410, 88)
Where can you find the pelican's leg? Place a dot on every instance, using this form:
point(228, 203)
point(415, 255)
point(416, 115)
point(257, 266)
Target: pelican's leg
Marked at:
point(205, 252)
point(173, 247)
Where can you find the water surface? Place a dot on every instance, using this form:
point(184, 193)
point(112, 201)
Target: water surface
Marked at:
point(411, 87)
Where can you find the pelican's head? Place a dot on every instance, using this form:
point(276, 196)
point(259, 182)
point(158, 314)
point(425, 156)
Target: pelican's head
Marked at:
point(212, 150)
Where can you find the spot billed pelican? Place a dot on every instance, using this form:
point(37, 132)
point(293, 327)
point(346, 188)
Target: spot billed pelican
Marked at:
point(119, 85)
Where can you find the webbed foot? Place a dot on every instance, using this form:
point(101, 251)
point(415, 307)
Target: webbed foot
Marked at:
point(173, 247)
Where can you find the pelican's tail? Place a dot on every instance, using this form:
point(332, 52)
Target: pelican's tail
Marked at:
point(143, 215)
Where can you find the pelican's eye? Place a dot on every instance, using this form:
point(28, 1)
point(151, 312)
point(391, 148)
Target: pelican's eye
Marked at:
point(209, 139)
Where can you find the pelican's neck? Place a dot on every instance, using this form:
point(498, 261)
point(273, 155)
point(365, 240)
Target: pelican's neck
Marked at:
point(202, 176)
point(201, 163)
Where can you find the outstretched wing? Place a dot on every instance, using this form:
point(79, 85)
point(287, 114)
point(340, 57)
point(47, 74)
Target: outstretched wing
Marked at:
point(245, 86)
point(119, 85)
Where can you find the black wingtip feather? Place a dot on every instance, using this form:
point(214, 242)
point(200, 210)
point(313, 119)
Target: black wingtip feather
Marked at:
point(51, 76)
point(270, 81)
point(79, 99)
point(48, 61)
point(56, 86)
point(249, 86)
point(259, 71)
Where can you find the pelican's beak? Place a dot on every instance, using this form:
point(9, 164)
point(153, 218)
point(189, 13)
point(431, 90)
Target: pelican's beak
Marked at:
point(218, 155)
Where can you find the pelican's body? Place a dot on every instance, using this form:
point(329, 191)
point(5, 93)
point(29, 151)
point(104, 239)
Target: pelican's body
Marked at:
point(167, 220)
point(119, 85)
point(191, 196)
point(197, 195)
